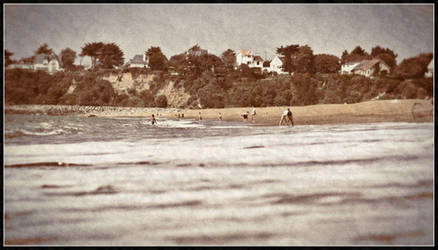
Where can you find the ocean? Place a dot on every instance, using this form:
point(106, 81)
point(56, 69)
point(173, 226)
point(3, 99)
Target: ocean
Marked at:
point(71, 180)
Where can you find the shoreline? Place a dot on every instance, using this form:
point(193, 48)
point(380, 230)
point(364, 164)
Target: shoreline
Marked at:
point(408, 110)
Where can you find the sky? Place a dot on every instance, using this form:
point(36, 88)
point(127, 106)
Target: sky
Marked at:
point(407, 29)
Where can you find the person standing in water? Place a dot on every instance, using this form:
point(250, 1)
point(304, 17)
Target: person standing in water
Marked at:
point(253, 114)
point(153, 120)
point(220, 116)
point(200, 117)
point(286, 117)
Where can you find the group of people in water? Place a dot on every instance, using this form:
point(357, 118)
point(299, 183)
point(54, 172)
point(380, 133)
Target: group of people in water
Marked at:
point(286, 117)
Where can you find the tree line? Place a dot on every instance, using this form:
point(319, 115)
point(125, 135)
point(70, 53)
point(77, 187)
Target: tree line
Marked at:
point(296, 59)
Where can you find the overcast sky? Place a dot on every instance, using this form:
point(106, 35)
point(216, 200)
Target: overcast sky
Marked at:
point(407, 29)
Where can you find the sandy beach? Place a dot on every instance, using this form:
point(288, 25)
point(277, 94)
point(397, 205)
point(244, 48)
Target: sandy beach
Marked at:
point(410, 110)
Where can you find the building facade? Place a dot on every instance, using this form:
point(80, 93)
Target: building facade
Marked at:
point(371, 67)
point(348, 67)
point(139, 61)
point(49, 64)
point(430, 68)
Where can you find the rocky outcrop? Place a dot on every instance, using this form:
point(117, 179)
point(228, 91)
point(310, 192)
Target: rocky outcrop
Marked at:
point(176, 97)
point(122, 83)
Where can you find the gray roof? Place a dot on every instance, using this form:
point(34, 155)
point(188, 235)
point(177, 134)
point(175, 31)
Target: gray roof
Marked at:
point(138, 59)
point(39, 59)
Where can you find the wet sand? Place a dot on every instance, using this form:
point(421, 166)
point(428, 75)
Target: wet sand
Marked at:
point(411, 110)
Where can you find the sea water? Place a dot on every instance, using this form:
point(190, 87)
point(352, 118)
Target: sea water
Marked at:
point(72, 180)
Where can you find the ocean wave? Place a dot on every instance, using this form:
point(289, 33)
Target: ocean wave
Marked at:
point(40, 132)
point(45, 164)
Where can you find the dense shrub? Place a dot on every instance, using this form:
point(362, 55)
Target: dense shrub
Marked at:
point(241, 88)
point(161, 101)
point(211, 96)
point(147, 98)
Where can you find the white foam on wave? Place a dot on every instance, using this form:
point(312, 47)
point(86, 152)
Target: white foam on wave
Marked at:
point(44, 133)
point(179, 123)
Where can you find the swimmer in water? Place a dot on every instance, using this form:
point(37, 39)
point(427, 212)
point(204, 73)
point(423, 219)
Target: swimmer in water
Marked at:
point(153, 120)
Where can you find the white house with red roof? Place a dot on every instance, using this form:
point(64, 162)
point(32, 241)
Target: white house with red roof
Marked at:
point(244, 57)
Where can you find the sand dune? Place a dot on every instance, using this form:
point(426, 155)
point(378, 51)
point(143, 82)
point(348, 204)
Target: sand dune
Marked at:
point(412, 110)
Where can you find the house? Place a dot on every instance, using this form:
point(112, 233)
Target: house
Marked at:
point(49, 64)
point(20, 65)
point(197, 52)
point(430, 67)
point(257, 62)
point(244, 57)
point(371, 67)
point(348, 67)
point(138, 61)
point(276, 66)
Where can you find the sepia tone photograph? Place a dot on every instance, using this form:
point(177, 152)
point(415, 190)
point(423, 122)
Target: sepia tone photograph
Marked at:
point(218, 124)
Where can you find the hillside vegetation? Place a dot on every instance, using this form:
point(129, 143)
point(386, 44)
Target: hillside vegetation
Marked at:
point(147, 88)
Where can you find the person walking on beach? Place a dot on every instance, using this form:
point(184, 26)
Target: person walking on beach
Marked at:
point(153, 120)
point(200, 117)
point(287, 117)
point(253, 114)
point(290, 117)
point(220, 116)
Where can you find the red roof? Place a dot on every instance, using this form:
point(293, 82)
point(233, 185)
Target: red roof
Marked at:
point(367, 64)
point(258, 58)
point(244, 52)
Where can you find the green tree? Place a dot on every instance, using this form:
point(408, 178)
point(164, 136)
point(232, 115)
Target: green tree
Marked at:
point(209, 62)
point(413, 67)
point(286, 56)
point(194, 49)
point(178, 62)
point(357, 54)
point(111, 55)
point(8, 60)
point(157, 60)
point(386, 55)
point(68, 57)
point(148, 98)
point(93, 50)
point(344, 57)
point(194, 60)
point(44, 50)
point(229, 58)
point(325, 63)
point(302, 60)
